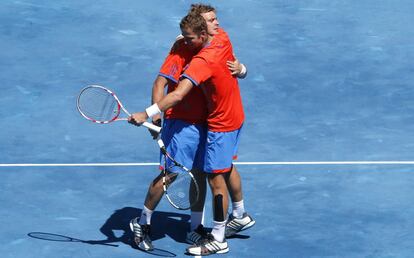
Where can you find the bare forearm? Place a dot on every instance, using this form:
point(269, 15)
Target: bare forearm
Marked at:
point(170, 100)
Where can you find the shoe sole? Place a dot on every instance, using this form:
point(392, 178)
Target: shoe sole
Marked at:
point(226, 250)
point(223, 251)
point(247, 226)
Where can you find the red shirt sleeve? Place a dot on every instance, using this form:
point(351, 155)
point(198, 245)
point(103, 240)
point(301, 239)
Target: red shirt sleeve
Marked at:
point(198, 71)
point(172, 67)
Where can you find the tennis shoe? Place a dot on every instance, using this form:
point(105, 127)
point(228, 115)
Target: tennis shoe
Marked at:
point(196, 235)
point(235, 225)
point(141, 235)
point(208, 246)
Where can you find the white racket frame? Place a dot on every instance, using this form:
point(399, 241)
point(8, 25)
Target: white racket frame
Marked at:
point(120, 107)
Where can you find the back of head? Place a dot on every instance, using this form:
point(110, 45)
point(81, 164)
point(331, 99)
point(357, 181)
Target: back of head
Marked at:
point(194, 22)
point(198, 9)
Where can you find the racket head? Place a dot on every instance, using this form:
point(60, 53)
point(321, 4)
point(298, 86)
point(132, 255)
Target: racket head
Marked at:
point(180, 186)
point(98, 104)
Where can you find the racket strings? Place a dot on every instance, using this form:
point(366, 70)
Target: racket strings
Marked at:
point(98, 104)
point(182, 190)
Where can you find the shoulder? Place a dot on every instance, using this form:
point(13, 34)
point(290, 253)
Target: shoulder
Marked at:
point(179, 48)
point(208, 53)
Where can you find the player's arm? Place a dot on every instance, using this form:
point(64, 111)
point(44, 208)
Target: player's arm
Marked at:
point(170, 100)
point(174, 97)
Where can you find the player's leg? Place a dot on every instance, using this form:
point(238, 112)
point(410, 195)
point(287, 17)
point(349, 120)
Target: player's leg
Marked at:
point(197, 231)
point(200, 177)
point(220, 205)
point(238, 220)
point(215, 241)
point(141, 227)
point(234, 185)
point(234, 180)
point(218, 163)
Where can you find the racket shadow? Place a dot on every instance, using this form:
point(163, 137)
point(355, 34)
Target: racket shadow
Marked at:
point(62, 238)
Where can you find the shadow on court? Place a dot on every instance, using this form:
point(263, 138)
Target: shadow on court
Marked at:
point(164, 224)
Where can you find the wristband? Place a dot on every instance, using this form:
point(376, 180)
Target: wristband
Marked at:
point(243, 71)
point(153, 110)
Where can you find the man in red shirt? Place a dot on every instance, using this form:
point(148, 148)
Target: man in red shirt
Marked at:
point(208, 71)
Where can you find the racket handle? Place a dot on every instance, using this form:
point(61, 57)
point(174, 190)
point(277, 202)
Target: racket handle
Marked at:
point(152, 127)
point(162, 146)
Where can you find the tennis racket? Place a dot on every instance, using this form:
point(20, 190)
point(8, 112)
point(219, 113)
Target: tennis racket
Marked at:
point(100, 105)
point(180, 186)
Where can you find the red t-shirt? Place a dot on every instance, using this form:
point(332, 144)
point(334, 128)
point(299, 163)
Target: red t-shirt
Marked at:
point(193, 107)
point(208, 70)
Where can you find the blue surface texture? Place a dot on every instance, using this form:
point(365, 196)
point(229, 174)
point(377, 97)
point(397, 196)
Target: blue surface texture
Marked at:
point(327, 81)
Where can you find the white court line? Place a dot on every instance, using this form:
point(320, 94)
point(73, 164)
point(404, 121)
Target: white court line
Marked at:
point(285, 163)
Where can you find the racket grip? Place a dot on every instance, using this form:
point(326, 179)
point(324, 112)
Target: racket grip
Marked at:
point(162, 146)
point(152, 127)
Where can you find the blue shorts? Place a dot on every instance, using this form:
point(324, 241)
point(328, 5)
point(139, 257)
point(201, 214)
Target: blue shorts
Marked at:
point(185, 142)
point(221, 150)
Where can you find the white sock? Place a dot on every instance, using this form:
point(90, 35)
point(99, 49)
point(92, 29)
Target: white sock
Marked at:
point(145, 218)
point(219, 230)
point(238, 209)
point(197, 218)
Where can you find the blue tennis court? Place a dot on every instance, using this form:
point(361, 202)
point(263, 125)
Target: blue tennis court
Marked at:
point(326, 155)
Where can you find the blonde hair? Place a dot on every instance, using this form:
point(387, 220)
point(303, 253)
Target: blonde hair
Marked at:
point(198, 9)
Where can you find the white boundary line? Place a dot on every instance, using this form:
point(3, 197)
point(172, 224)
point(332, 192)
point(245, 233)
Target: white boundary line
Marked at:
point(287, 163)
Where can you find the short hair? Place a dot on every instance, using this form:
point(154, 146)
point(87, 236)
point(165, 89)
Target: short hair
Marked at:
point(201, 8)
point(194, 22)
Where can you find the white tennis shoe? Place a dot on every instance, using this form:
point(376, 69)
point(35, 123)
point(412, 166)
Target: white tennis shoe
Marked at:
point(208, 246)
point(141, 235)
point(235, 225)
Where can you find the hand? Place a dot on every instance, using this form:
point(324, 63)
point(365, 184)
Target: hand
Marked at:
point(138, 118)
point(235, 67)
point(156, 120)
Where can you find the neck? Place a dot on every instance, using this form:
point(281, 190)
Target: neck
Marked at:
point(209, 39)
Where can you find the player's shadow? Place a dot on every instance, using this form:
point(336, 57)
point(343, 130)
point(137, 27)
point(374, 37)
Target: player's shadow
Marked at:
point(116, 229)
point(175, 225)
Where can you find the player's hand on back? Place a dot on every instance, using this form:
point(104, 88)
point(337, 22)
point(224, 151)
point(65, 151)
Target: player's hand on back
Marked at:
point(234, 67)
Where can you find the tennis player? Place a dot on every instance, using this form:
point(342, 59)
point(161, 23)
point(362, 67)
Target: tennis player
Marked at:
point(184, 133)
point(225, 119)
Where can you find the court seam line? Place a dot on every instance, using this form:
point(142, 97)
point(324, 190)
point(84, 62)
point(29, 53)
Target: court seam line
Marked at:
point(257, 163)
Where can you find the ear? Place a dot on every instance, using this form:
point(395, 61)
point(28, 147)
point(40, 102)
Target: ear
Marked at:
point(203, 35)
